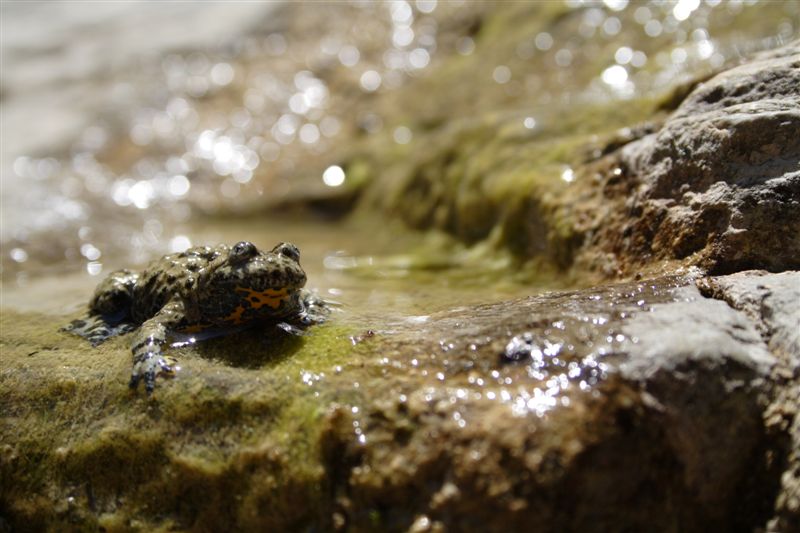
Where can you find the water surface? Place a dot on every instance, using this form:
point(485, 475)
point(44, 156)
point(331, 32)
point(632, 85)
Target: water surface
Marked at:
point(119, 147)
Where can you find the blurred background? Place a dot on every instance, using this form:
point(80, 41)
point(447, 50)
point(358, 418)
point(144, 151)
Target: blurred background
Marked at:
point(131, 129)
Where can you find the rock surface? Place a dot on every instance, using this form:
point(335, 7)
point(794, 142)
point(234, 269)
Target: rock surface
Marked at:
point(675, 423)
point(587, 410)
point(719, 183)
point(772, 303)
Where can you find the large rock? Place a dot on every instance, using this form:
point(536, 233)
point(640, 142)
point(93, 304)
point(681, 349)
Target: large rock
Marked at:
point(719, 183)
point(639, 406)
point(772, 302)
point(634, 407)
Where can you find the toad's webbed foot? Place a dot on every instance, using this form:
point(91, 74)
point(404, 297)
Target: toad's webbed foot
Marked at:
point(97, 328)
point(314, 309)
point(147, 366)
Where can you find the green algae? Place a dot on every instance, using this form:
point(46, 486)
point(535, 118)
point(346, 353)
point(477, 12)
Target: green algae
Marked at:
point(494, 179)
point(82, 440)
point(112, 459)
point(218, 445)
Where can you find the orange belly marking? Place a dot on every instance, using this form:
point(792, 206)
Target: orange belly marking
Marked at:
point(236, 316)
point(269, 297)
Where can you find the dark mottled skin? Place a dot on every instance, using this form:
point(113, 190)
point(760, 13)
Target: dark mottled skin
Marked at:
point(203, 287)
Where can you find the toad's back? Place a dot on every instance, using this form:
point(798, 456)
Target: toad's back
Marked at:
point(129, 295)
point(172, 276)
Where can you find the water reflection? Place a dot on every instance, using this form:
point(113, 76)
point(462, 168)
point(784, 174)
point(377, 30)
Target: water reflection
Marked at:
point(560, 349)
point(333, 176)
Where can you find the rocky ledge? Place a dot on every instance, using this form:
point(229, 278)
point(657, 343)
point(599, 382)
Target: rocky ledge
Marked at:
point(666, 405)
point(660, 405)
point(718, 185)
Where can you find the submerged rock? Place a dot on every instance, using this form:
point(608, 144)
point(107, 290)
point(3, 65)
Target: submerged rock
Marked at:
point(649, 405)
point(719, 184)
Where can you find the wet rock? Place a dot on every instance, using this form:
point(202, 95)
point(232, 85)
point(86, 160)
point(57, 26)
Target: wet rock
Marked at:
point(706, 367)
point(772, 303)
point(719, 184)
point(670, 435)
point(651, 405)
point(710, 331)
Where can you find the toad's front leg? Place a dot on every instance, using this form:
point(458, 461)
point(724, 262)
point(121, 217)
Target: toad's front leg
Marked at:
point(148, 342)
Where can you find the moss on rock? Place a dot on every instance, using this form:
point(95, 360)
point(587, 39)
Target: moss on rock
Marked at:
point(432, 421)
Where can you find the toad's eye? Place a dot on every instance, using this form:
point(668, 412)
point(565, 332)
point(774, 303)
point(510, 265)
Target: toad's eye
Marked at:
point(289, 250)
point(242, 251)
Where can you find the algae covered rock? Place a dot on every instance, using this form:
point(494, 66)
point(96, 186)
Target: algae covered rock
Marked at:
point(642, 405)
point(714, 184)
point(669, 404)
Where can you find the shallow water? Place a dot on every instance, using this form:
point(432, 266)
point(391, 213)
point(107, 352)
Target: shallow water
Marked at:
point(117, 148)
point(375, 278)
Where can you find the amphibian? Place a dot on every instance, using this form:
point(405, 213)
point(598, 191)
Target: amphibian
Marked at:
point(200, 289)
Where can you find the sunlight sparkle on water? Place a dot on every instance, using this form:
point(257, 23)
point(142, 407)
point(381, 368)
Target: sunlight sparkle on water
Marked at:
point(222, 74)
point(141, 194)
point(333, 176)
point(309, 133)
point(426, 6)
point(501, 74)
point(370, 81)
point(705, 49)
point(19, 255)
point(402, 135)
point(612, 26)
point(90, 252)
point(349, 56)
point(179, 185)
point(419, 58)
point(616, 5)
point(94, 268)
point(543, 41)
point(465, 46)
point(563, 57)
point(615, 76)
point(623, 55)
point(683, 9)
point(653, 28)
point(679, 55)
point(402, 36)
point(179, 243)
